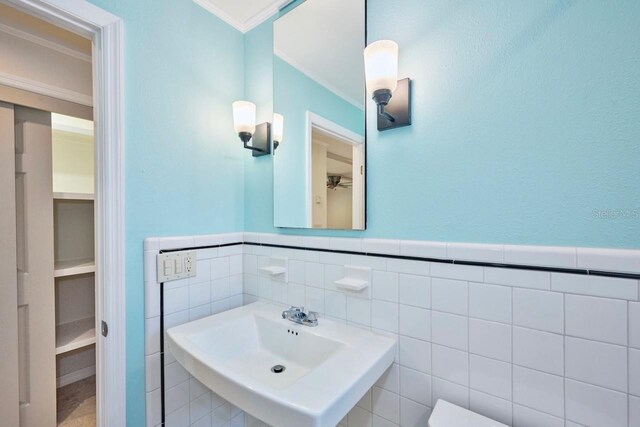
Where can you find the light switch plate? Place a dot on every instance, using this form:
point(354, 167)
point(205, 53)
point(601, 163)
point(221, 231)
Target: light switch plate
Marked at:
point(176, 265)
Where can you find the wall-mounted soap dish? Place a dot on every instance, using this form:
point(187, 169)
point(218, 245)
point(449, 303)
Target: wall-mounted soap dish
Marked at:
point(276, 266)
point(356, 280)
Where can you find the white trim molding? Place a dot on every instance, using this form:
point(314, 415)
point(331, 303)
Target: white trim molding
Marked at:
point(314, 120)
point(247, 25)
point(7, 29)
point(106, 32)
point(45, 89)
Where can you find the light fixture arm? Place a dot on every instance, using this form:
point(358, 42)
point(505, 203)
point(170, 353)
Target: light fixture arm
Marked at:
point(259, 150)
point(382, 98)
point(382, 112)
point(245, 137)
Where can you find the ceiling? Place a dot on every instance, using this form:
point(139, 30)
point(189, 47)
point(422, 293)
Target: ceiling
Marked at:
point(243, 14)
point(325, 40)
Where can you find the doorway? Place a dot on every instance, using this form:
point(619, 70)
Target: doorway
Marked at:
point(22, 403)
point(335, 175)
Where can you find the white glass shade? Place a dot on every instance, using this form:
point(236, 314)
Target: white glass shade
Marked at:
point(244, 116)
point(381, 65)
point(278, 127)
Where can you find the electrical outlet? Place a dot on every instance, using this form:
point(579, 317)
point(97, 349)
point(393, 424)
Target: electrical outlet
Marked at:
point(176, 265)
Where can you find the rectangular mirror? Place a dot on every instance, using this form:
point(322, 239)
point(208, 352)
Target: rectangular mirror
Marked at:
point(319, 89)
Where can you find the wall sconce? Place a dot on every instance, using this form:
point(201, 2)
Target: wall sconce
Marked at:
point(392, 96)
point(244, 122)
point(278, 130)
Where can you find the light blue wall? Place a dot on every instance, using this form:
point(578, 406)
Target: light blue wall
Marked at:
point(184, 165)
point(294, 95)
point(525, 122)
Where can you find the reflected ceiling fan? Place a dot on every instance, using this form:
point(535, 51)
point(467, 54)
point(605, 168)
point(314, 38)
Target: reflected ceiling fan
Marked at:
point(334, 181)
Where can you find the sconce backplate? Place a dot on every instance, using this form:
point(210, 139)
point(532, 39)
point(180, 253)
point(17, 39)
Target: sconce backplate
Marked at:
point(262, 140)
point(399, 107)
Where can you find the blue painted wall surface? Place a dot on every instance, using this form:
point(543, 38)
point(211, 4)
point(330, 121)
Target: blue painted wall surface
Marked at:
point(294, 95)
point(525, 125)
point(184, 163)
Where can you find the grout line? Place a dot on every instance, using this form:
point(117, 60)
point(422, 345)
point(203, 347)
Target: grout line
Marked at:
point(564, 419)
point(512, 355)
point(469, 344)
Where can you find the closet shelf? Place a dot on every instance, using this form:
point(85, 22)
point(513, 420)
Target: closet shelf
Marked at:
point(73, 196)
point(74, 335)
point(74, 267)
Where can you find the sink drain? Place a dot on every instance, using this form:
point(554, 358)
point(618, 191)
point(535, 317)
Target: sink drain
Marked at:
point(277, 369)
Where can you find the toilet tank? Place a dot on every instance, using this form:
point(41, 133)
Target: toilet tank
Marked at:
point(447, 414)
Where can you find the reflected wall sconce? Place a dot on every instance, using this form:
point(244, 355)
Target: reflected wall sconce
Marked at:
point(392, 96)
point(278, 130)
point(244, 122)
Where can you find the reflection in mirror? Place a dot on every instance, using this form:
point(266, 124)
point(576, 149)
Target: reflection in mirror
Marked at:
point(319, 89)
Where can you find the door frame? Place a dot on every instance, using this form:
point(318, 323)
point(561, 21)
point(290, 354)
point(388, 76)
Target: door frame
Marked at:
point(106, 32)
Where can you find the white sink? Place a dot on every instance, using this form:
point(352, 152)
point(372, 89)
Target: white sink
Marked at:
point(328, 368)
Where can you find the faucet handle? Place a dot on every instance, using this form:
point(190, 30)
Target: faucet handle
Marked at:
point(312, 316)
point(299, 311)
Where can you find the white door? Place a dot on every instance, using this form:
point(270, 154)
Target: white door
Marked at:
point(27, 288)
point(9, 392)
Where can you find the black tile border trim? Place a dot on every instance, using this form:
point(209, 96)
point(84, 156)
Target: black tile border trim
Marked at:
point(162, 420)
point(579, 271)
point(164, 251)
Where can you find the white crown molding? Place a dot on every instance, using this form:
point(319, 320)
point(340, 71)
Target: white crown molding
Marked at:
point(313, 76)
point(45, 89)
point(264, 14)
point(7, 29)
point(207, 5)
point(249, 24)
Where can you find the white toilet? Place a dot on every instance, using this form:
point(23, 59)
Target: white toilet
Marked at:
point(447, 414)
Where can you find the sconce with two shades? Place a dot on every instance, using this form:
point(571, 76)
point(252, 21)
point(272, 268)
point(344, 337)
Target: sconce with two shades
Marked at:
point(244, 122)
point(392, 96)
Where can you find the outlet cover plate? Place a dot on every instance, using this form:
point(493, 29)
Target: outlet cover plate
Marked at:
point(176, 265)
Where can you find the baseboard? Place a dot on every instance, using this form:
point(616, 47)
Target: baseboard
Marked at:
point(75, 376)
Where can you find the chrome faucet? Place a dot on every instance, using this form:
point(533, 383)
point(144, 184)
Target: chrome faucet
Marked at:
point(298, 315)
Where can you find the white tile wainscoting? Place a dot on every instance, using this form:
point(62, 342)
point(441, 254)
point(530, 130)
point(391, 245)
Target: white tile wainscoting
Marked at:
point(557, 346)
point(216, 287)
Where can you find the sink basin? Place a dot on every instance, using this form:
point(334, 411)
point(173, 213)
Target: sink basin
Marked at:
point(327, 369)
